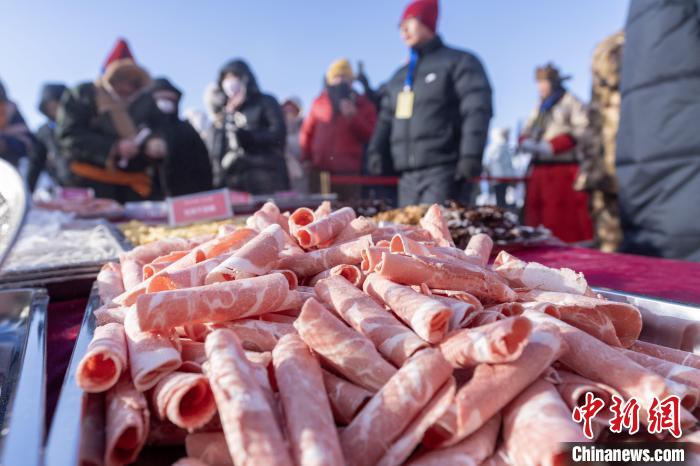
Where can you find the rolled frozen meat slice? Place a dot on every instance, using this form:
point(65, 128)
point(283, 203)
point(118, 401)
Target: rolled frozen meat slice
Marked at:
point(127, 421)
point(485, 317)
point(679, 373)
point(617, 324)
point(315, 262)
point(496, 343)
point(452, 275)
point(613, 368)
point(132, 262)
point(346, 398)
point(185, 399)
point(323, 210)
point(350, 353)
point(411, 437)
point(209, 447)
point(257, 257)
point(109, 282)
point(257, 335)
point(392, 409)
point(250, 427)
point(434, 222)
point(170, 257)
point(521, 274)
point(324, 229)
point(310, 426)
point(462, 311)
point(351, 273)
point(187, 277)
point(360, 226)
point(429, 318)
point(371, 257)
point(212, 248)
point(537, 425)
point(684, 358)
point(219, 302)
point(224, 244)
point(507, 309)
point(471, 451)
point(300, 218)
point(110, 314)
point(480, 247)
point(391, 338)
point(492, 386)
point(152, 355)
point(267, 215)
point(193, 355)
point(154, 267)
point(105, 359)
point(402, 244)
point(291, 277)
point(573, 388)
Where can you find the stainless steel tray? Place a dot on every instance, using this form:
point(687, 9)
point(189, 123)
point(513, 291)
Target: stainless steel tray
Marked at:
point(64, 437)
point(666, 323)
point(22, 369)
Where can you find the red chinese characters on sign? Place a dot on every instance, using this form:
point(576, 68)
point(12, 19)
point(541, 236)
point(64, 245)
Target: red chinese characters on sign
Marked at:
point(587, 412)
point(624, 415)
point(663, 415)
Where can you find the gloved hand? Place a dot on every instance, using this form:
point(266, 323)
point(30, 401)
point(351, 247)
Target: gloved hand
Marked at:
point(535, 147)
point(243, 136)
point(374, 163)
point(156, 148)
point(467, 168)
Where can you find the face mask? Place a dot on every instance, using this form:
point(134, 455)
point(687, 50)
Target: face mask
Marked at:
point(166, 106)
point(232, 86)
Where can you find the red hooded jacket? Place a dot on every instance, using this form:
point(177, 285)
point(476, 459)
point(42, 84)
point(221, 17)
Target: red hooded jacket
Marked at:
point(336, 143)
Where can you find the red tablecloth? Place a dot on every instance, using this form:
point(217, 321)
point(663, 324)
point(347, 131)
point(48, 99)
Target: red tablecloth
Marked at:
point(674, 280)
point(64, 318)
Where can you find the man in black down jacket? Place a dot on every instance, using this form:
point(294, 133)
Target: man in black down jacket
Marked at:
point(434, 116)
point(658, 145)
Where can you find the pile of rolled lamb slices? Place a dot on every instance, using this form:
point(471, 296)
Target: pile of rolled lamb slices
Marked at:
point(319, 338)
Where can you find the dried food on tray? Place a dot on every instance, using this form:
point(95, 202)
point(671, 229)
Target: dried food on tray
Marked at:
point(139, 233)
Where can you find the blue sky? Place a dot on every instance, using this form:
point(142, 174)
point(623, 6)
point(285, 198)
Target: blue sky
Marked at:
point(290, 43)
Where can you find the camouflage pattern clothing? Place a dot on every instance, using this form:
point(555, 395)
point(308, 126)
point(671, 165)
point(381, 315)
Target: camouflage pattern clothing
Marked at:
point(597, 174)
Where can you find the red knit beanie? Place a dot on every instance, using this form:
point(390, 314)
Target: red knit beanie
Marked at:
point(119, 52)
point(424, 10)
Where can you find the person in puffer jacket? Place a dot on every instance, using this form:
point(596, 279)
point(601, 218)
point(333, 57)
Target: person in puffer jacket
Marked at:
point(434, 116)
point(658, 142)
point(249, 136)
point(552, 135)
point(336, 130)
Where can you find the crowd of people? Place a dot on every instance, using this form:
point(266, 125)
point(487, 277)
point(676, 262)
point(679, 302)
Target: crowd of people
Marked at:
point(122, 135)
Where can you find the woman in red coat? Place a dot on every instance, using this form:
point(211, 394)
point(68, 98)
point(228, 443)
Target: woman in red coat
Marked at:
point(336, 130)
point(551, 135)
